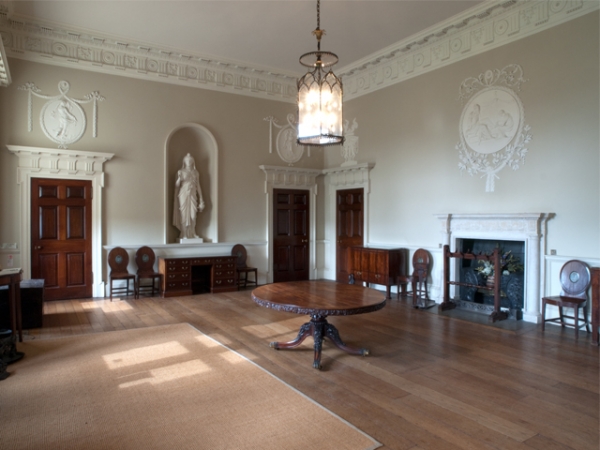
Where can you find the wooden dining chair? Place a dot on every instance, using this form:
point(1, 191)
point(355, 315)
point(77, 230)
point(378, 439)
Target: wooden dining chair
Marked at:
point(575, 278)
point(418, 280)
point(242, 270)
point(145, 258)
point(118, 260)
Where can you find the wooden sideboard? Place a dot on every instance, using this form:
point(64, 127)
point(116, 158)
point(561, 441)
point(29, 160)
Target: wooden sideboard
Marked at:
point(378, 265)
point(188, 276)
point(595, 303)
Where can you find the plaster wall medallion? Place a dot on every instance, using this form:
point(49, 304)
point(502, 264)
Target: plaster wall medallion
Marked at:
point(62, 118)
point(285, 141)
point(350, 146)
point(492, 126)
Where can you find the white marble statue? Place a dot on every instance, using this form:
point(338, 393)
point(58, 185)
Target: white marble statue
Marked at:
point(188, 199)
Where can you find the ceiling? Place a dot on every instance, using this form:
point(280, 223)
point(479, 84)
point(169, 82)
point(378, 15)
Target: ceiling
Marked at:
point(268, 34)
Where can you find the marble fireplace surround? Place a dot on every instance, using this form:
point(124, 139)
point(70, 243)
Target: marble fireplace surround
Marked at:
point(531, 228)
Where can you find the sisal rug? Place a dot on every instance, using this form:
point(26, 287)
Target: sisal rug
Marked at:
point(167, 387)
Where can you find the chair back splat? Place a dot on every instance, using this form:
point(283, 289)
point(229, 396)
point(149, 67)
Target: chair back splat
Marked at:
point(118, 260)
point(145, 258)
point(242, 269)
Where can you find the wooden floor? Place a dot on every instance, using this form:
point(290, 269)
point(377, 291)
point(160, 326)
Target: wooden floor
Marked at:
point(431, 382)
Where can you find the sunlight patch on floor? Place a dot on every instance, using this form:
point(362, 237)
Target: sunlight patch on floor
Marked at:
point(170, 373)
point(144, 354)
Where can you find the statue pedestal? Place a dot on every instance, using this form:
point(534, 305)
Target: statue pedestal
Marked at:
point(191, 241)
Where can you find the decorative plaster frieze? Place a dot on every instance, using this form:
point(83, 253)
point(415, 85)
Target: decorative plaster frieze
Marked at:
point(350, 176)
point(62, 119)
point(477, 30)
point(290, 177)
point(492, 126)
point(59, 161)
point(286, 140)
point(5, 11)
point(481, 28)
point(25, 38)
point(350, 147)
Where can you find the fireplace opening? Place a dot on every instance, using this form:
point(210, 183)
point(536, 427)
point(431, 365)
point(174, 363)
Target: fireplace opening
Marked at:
point(480, 273)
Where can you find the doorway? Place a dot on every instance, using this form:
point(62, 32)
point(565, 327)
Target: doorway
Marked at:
point(349, 228)
point(290, 235)
point(61, 237)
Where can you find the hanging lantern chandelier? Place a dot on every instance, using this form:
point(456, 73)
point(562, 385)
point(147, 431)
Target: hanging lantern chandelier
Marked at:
point(319, 96)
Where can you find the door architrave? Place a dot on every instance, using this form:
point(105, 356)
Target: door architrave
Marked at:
point(36, 162)
point(340, 178)
point(291, 178)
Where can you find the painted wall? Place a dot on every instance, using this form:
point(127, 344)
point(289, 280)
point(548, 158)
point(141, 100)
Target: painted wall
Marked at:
point(410, 131)
point(133, 123)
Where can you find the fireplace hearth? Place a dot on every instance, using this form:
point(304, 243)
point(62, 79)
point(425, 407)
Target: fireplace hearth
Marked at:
point(476, 273)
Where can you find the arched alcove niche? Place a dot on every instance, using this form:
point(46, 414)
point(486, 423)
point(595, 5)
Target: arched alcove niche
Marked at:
point(200, 143)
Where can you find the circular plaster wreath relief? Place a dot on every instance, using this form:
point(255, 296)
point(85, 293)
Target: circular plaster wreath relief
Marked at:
point(287, 148)
point(492, 126)
point(62, 121)
point(491, 120)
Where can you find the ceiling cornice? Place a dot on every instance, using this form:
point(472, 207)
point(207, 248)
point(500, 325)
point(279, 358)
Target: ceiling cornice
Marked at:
point(55, 44)
point(477, 30)
point(481, 28)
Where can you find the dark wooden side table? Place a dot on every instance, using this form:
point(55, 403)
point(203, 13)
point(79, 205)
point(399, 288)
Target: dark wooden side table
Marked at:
point(595, 303)
point(381, 266)
point(319, 299)
point(12, 279)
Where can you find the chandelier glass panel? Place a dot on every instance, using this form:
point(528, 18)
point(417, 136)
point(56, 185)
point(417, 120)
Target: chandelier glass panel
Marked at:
point(320, 94)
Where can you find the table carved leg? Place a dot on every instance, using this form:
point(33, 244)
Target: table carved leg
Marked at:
point(319, 328)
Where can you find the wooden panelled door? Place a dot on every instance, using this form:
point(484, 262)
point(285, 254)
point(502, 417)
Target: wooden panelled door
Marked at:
point(349, 228)
point(290, 235)
point(61, 237)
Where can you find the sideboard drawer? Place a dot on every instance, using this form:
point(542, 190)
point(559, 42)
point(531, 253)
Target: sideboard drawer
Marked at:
point(186, 276)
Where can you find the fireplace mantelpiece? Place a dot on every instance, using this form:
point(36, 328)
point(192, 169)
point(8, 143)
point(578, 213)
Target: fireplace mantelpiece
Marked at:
point(526, 227)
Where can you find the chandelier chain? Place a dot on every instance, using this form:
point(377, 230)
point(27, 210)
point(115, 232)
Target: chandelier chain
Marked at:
point(318, 14)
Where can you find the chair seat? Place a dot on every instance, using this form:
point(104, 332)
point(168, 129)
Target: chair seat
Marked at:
point(151, 288)
point(122, 276)
point(244, 281)
point(564, 300)
point(239, 251)
point(124, 290)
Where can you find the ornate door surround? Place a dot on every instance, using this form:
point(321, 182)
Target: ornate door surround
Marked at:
point(36, 162)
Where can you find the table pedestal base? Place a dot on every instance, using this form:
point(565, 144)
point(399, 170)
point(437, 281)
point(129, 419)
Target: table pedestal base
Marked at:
point(319, 328)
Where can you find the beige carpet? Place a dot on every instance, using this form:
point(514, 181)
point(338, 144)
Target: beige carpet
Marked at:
point(168, 387)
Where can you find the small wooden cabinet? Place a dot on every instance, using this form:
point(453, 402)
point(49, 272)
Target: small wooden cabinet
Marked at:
point(188, 276)
point(378, 265)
